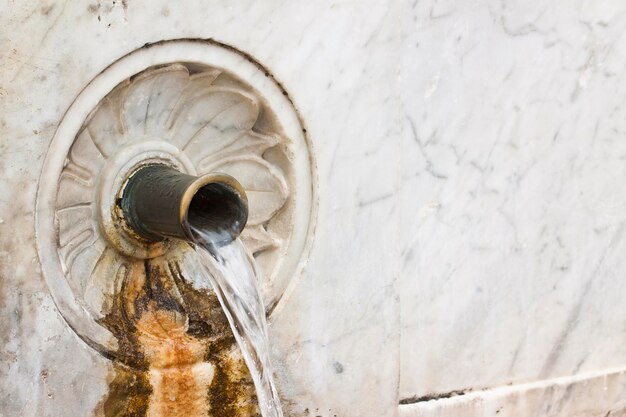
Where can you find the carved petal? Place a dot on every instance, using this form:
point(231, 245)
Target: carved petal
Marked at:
point(257, 239)
point(105, 126)
point(211, 121)
point(85, 160)
point(197, 86)
point(264, 184)
point(99, 285)
point(76, 233)
point(248, 143)
point(151, 98)
point(74, 190)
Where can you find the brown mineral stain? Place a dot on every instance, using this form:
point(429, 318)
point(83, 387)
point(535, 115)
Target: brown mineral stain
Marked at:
point(177, 355)
point(175, 360)
point(231, 384)
point(129, 392)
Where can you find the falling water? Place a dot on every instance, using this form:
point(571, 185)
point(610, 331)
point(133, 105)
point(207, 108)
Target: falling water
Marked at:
point(232, 275)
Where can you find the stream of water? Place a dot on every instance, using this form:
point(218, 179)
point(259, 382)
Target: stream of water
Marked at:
point(233, 277)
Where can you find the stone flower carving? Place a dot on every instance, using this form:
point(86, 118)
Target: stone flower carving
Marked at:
point(199, 119)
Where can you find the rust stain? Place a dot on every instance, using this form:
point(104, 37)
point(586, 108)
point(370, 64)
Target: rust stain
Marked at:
point(177, 356)
point(129, 392)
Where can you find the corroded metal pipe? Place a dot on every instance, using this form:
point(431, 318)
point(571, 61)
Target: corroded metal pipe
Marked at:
point(160, 202)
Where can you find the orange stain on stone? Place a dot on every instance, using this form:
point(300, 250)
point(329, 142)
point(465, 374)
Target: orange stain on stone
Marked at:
point(180, 379)
point(177, 355)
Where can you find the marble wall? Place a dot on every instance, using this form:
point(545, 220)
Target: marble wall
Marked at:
point(335, 337)
point(470, 220)
point(514, 147)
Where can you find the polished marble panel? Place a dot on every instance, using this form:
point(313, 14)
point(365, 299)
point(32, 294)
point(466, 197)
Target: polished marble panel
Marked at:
point(514, 210)
point(335, 336)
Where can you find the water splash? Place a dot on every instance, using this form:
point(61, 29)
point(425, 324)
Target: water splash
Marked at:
point(232, 275)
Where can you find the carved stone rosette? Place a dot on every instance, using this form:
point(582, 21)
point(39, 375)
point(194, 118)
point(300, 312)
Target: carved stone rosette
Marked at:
point(200, 108)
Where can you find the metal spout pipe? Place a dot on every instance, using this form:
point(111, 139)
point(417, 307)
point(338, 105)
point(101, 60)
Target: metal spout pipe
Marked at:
point(159, 202)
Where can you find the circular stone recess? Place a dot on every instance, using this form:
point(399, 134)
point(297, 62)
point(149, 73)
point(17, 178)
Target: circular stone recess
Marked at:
point(199, 107)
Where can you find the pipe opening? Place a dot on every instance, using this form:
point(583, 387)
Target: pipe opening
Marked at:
point(217, 213)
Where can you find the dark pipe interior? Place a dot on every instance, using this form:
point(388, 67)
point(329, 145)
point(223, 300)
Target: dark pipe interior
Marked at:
point(217, 214)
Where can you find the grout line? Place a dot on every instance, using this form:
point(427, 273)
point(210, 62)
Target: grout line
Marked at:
point(472, 393)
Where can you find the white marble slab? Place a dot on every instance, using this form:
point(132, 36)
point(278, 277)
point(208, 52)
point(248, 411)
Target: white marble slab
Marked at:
point(512, 193)
point(335, 339)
